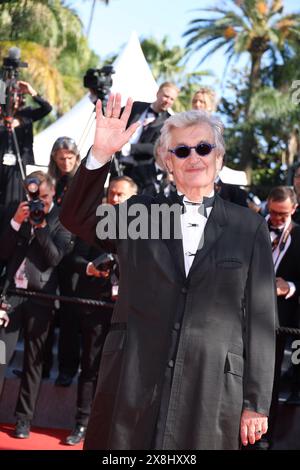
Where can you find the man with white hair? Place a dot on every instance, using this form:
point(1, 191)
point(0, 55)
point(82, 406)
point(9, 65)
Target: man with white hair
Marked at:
point(189, 360)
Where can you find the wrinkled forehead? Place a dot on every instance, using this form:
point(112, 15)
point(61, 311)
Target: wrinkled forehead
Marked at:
point(191, 135)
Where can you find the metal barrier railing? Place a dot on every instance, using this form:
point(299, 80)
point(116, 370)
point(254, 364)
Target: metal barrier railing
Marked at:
point(288, 331)
point(104, 303)
point(61, 298)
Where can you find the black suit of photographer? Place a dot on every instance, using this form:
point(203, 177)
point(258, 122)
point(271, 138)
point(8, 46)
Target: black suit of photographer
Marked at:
point(143, 172)
point(11, 188)
point(42, 249)
point(93, 324)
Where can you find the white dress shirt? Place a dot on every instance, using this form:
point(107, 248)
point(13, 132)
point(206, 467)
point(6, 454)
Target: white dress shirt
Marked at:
point(279, 254)
point(192, 226)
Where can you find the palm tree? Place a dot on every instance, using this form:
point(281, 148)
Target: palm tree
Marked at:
point(163, 59)
point(92, 16)
point(41, 73)
point(167, 64)
point(251, 26)
point(50, 36)
point(18, 19)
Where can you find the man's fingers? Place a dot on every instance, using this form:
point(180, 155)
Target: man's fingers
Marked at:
point(264, 426)
point(23, 204)
point(251, 433)
point(99, 113)
point(109, 105)
point(253, 426)
point(104, 274)
point(127, 111)
point(117, 106)
point(4, 319)
point(244, 434)
point(131, 130)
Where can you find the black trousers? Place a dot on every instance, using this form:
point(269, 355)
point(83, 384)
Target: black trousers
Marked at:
point(68, 340)
point(34, 319)
point(94, 326)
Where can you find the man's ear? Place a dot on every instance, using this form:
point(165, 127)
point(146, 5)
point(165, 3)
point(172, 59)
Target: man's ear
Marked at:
point(219, 163)
point(169, 164)
point(294, 209)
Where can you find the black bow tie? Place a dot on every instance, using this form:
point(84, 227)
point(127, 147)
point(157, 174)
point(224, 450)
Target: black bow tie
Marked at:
point(160, 172)
point(206, 203)
point(277, 231)
point(151, 111)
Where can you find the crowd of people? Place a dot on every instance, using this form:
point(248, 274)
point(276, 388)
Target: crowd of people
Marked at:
point(190, 358)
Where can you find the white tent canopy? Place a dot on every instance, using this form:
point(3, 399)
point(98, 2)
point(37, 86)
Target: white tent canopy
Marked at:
point(228, 175)
point(133, 78)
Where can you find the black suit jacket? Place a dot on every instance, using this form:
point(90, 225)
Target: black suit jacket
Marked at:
point(289, 270)
point(43, 253)
point(143, 149)
point(232, 193)
point(89, 287)
point(222, 314)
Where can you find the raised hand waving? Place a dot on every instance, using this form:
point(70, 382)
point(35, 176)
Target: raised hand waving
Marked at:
point(111, 133)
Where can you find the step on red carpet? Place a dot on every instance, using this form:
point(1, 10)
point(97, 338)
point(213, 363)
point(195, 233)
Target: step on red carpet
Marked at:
point(40, 439)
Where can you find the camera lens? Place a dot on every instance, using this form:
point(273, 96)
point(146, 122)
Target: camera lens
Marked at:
point(37, 214)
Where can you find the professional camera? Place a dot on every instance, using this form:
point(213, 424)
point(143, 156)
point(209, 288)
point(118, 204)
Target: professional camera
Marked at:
point(107, 262)
point(104, 262)
point(99, 81)
point(36, 205)
point(9, 92)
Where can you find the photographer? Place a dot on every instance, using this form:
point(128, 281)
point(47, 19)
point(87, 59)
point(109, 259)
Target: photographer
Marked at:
point(33, 243)
point(11, 187)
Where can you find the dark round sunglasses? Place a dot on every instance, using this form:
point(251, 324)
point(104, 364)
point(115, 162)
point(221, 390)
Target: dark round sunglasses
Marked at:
point(184, 151)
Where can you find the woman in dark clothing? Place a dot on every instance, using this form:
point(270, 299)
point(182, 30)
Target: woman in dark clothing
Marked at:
point(64, 161)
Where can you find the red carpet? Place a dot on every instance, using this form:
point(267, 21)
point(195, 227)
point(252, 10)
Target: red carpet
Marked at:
point(40, 439)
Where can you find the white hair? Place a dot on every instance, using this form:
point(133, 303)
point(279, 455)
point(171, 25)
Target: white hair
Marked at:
point(192, 118)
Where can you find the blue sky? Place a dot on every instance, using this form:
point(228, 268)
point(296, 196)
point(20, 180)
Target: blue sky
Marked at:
point(113, 23)
point(157, 18)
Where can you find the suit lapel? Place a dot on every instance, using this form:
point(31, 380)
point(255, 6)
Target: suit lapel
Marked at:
point(176, 251)
point(216, 223)
point(174, 245)
point(137, 112)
